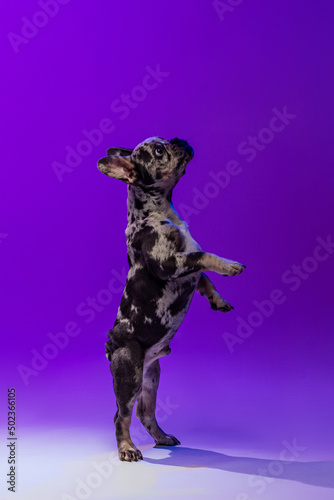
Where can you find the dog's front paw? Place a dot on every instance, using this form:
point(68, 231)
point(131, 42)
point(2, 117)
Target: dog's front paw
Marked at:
point(231, 267)
point(217, 303)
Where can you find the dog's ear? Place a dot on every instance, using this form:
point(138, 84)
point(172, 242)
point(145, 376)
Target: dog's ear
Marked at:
point(118, 167)
point(119, 152)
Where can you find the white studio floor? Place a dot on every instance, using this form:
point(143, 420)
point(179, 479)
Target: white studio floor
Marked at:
point(67, 464)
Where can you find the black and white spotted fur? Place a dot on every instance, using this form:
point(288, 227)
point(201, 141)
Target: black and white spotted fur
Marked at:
point(165, 268)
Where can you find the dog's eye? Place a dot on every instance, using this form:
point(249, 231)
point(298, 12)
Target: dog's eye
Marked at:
point(158, 151)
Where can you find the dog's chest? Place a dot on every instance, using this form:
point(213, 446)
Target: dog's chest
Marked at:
point(156, 308)
point(190, 245)
point(180, 239)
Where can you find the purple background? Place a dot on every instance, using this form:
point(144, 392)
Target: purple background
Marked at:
point(61, 242)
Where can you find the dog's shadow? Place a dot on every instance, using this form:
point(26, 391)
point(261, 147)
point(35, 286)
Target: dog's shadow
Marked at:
point(312, 473)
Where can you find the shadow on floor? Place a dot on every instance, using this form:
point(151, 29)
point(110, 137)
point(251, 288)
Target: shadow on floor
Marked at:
point(312, 473)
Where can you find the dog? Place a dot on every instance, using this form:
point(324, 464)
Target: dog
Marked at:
point(166, 266)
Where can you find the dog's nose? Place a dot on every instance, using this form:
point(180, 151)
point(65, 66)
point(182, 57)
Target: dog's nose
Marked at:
point(179, 142)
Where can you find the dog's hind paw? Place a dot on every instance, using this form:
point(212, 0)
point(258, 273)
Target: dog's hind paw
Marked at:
point(167, 440)
point(130, 454)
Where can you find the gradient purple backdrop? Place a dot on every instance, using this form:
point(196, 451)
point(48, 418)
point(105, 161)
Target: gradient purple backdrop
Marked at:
point(62, 234)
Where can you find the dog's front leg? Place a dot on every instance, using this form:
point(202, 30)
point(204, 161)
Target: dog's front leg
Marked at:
point(207, 289)
point(180, 264)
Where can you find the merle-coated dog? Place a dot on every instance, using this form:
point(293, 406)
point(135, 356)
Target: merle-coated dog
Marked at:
point(165, 268)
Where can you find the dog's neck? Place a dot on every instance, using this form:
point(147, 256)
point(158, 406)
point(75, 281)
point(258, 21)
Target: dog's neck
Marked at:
point(142, 204)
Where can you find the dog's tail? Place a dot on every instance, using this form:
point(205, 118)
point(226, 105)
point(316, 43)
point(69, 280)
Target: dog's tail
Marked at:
point(115, 341)
point(109, 349)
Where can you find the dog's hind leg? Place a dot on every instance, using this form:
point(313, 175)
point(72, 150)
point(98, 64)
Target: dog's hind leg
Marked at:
point(146, 405)
point(127, 370)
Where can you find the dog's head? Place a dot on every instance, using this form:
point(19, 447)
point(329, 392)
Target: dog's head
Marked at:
point(154, 162)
